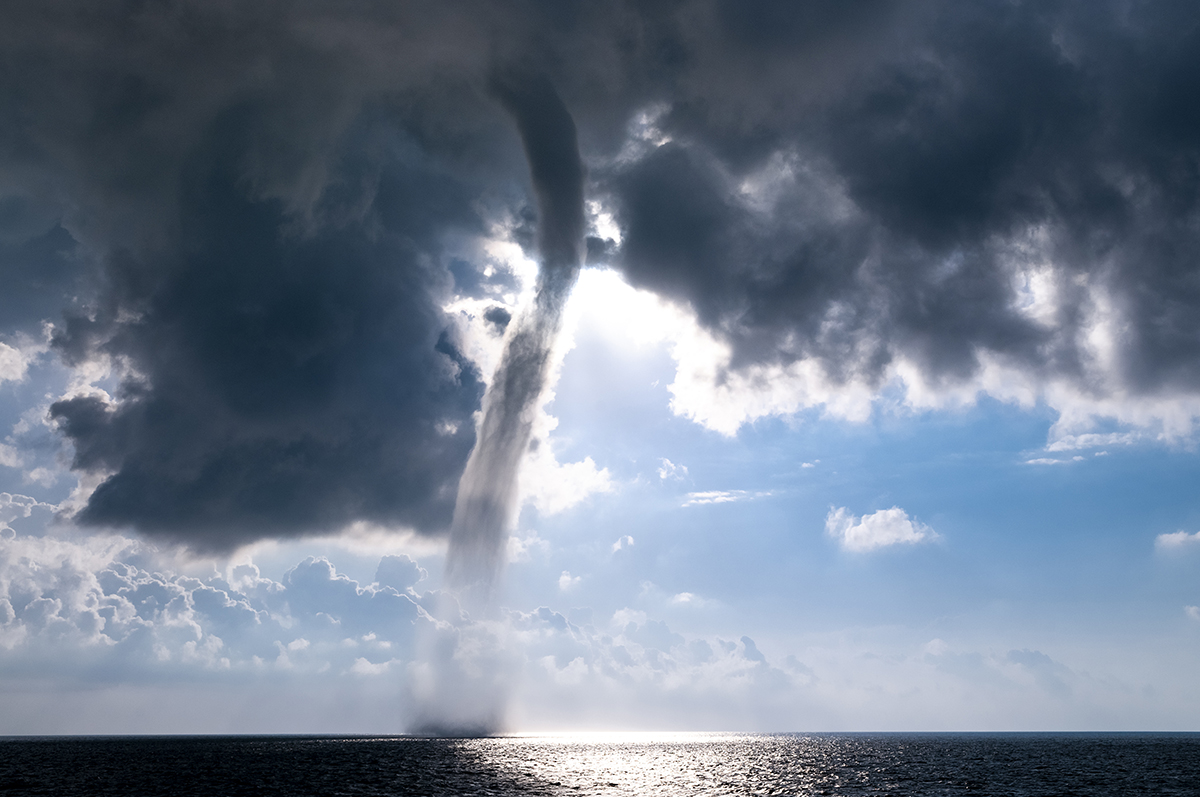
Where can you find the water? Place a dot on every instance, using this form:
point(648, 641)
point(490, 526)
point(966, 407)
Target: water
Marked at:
point(659, 764)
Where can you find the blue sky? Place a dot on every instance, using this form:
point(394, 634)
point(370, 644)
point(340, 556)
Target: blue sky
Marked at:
point(1041, 596)
point(874, 407)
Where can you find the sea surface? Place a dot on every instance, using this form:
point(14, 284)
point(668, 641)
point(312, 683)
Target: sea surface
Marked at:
point(606, 764)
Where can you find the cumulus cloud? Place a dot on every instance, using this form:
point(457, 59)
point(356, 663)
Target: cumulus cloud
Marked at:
point(17, 506)
point(97, 597)
point(880, 529)
point(129, 629)
point(552, 487)
point(1177, 541)
point(104, 611)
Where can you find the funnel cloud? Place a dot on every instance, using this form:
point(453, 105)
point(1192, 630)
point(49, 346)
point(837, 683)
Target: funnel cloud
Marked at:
point(487, 493)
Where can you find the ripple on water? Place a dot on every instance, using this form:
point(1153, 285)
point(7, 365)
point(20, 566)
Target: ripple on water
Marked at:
point(608, 764)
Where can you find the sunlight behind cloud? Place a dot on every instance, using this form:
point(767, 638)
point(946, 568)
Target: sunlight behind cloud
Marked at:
point(710, 391)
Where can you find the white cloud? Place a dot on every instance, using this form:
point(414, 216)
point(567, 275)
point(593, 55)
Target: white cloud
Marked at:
point(568, 582)
point(43, 476)
point(669, 470)
point(713, 497)
point(689, 600)
point(1176, 541)
point(878, 530)
point(602, 221)
point(141, 638)
point(1074, 442)
point(363, 666)
point(552, 487)
point(15, 360)
point(9, 457)
point(13, 506)
point(1192, 612)
point(92, 610)
point(708, 390)
point(522, 549)
point(623, 542)
point(1051, 461)
point(723, 497)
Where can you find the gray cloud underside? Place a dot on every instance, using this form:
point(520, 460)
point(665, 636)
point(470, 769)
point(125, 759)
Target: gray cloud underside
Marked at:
point(260, 201)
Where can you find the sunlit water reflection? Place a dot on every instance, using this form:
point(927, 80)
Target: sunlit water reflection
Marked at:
point(610, 764)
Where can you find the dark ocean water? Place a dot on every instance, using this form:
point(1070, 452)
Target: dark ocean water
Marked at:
point(665, 764)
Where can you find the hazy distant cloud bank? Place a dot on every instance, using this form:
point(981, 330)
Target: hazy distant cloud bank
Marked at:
point(131, 637)
point(104, 612)
point(255, 216)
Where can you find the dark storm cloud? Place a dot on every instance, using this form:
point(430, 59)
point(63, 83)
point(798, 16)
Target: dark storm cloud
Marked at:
point(551, 147)
point(959, 136)
point(40, 273)
point(269, 191)
point(272, 221)
point(287, 382)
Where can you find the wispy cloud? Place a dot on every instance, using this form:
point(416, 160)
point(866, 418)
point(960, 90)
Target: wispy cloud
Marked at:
point(9, 457)
point(1075, 442)
point(1051, 461)
point(671, 470)
point(15, 360)
point(723, 496)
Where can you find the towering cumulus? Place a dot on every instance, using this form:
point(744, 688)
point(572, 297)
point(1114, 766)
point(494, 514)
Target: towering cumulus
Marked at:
point(486, 502)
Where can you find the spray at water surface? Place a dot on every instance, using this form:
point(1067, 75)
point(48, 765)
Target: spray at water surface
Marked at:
point(487, 492)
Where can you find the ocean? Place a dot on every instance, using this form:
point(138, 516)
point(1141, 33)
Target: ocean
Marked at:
point(607, 764)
